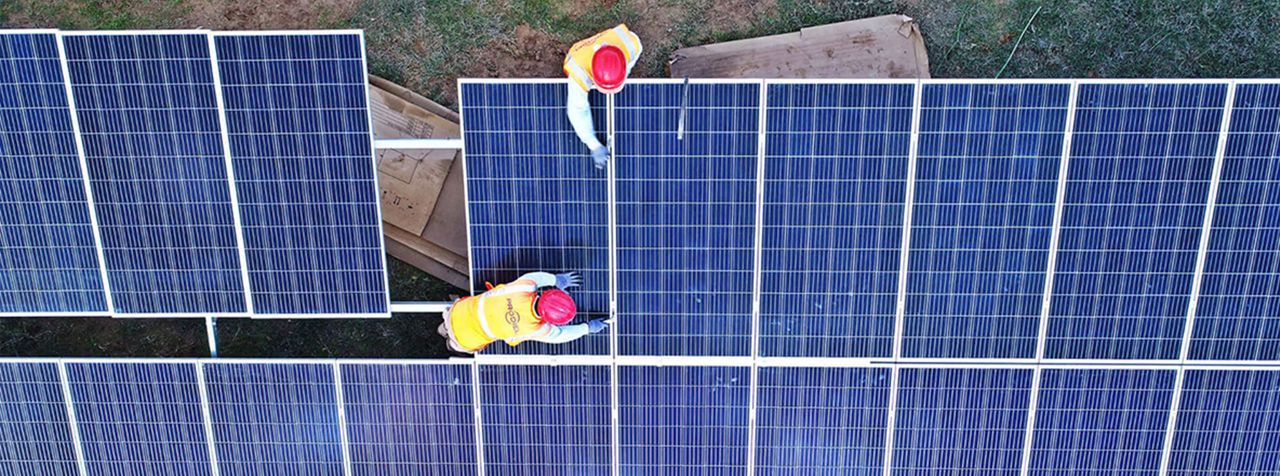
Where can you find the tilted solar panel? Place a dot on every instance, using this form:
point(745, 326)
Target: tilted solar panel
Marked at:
point(140, 418)
point(1228, 423)
point(34, 430)
point(678, 420)
point(49, 259)
point(153, 144)
point(546, 419)
point(686, 217)
point(834, 189)
point(1238, 314)
point(297, 122)
point(822, 420)
point(985, 188)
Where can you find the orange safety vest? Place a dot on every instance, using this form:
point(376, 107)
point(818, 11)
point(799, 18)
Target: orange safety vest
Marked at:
point(577, 64)
point(503, 313)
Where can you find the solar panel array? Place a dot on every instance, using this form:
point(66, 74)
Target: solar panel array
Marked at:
point(901, 277)
point(178, 174)
point(368, 417)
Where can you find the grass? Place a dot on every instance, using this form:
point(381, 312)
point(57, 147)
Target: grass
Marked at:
point(427, 45)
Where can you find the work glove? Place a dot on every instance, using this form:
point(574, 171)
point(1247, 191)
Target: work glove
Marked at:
point(600, 155)
point(568, 280)
point(597, 325)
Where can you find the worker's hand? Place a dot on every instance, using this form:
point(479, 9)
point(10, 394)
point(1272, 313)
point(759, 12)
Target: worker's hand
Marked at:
point(600, 155)
point(597, 325)
point(568, 280)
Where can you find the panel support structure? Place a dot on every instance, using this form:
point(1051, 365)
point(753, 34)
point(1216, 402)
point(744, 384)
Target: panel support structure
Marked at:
point(342, 418)
point(231, 179)
point(71, 419)
point(208, 419)
point(899, 318)
point(611, 192)
point(757, 280)
point(891, 420)
point(479, 419)
point(1059, 205)
point(427, 144)
point(1032, 405)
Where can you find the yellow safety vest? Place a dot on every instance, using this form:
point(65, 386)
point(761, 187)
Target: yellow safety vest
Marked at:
point(577, 64)
point(503, 313)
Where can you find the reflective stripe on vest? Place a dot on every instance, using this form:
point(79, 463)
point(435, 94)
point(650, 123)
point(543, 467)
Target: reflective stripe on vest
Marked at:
point(577, 64)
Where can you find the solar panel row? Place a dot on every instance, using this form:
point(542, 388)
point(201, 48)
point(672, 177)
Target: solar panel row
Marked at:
point(167, 417)
point(187, 174)
point(989, 220)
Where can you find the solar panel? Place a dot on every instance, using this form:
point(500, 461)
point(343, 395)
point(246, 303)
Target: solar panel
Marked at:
point(987, 176)
point(954, 421)
point(682, 420)
point(274, 417)
point(822, 420)
point(1227, 423)
point(409, 419)
point(546, 420)
point(685, 217)
point(834, 188)
point(1138, 180)
point(535, 201)
point(1240, 292)
point(35, 436)
point(296, 112)
point(1101, 421)
point(140, 418)
point(49, 263)
point(149, 124)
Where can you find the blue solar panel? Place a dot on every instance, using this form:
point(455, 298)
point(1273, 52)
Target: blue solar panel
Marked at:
point(821, 420)
point(1227, 424)
point(683, 420)
point(961, 421)
point(138, 418)
point(1138, 180)
point(686, 217)
point(35, 438)
point(298, 125)
point(49, 261)
point(834, 187)
point(1100, 421)
point(546, 420)
point(536, 201)
point(986, 183)
point(409, 419)
point(274, 418)
point(1238, 316)
point(149, 122)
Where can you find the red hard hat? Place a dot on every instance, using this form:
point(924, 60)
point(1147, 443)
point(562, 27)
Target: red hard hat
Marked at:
point(609, 68)
point(555, 307)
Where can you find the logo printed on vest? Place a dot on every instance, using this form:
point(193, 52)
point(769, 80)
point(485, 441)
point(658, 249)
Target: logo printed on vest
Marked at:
point(511, 317)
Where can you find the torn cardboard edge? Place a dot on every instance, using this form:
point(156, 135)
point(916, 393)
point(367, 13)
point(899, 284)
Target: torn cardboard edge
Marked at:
point(888, 46)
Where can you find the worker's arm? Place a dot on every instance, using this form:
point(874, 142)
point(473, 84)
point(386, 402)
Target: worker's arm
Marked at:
point(579, 109)
point(540, 279)
point(562, 334)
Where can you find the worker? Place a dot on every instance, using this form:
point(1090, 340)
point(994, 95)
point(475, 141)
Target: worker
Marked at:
point(603, 62)
point(533, 307)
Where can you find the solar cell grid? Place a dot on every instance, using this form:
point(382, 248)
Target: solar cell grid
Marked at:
point(954, 421)
point(987, 176)
point(1137, 185)
point(546, 420)
point(409, 419)
point(298, 129)
point(1238, 315)
point(152, 142)
point(686, 217)
point(834, 188)
point(682, 420)
point(1101, 421)
point(270, 418)
point(822, 420)
point(1227, 423)
point(140, 418)
point(48, 250)
point(35, 436)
